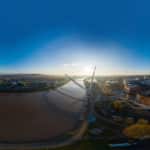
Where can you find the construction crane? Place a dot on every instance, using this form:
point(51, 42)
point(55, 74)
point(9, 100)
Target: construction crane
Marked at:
point(90, 96)
point(78, 84)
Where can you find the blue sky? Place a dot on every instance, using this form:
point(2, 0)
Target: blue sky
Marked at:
point(43, 36)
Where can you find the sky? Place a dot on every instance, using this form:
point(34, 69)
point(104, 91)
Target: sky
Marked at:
point(72, 36)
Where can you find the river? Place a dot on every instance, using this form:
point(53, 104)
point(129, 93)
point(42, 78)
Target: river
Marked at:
point(69, 97)
point(40, 115)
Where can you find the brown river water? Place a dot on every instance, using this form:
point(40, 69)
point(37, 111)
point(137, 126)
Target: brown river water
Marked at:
point(40, 115)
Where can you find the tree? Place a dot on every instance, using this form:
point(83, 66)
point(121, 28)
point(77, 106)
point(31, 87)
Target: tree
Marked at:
point(137, 131)
point(117, 105)
point(129, 121)
point(142, 121)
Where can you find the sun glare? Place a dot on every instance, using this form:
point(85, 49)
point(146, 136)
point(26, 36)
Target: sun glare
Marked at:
point(87, 70)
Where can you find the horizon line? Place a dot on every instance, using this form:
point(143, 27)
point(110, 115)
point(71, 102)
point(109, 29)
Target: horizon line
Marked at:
point(146, 74)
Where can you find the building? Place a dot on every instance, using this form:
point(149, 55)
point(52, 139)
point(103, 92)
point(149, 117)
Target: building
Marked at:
point(113, 84)
point(143, 99)
point(132, 86)
point(132, 89)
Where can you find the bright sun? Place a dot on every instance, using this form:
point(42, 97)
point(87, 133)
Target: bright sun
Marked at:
point(87, 70)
